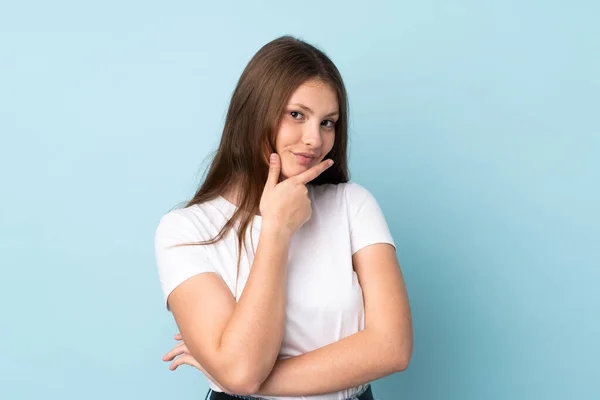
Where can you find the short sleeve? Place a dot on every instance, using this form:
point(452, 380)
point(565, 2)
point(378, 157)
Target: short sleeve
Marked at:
point(367, 222)
point(176, 264)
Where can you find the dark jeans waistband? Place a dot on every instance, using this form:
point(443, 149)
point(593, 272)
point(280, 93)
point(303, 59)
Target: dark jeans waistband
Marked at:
point(365, 394)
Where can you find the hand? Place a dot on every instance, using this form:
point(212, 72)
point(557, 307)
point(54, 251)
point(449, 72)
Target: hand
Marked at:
point(286, 203)
point(186, 358)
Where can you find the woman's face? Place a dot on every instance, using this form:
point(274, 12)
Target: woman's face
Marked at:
point(307, 129)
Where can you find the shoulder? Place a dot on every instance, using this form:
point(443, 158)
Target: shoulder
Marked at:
point(176, 227)
point(351, 194)
point(356, 192)
point(181, 217)
point(350, 188)
point(194, 223)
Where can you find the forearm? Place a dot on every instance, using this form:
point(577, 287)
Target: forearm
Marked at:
point(255, 330)
point(352, 361)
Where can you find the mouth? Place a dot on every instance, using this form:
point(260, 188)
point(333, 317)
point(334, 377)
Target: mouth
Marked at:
point(305, 158)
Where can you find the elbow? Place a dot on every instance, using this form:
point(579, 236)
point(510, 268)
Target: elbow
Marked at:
point(236, 374)
point(401, 362)
point(242, 384)
point(402, 357)
point(245, 376)
point(242, 388)
point(242, 380)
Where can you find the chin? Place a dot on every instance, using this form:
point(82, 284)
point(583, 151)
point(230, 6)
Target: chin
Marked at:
point(292, 170)
point(290, 167)
point(288, 172)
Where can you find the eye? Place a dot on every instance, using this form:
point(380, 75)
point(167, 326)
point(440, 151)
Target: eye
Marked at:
point(332, 123)
point(295, 112)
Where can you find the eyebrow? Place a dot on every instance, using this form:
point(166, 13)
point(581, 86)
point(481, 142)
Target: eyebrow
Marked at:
point(312, 112)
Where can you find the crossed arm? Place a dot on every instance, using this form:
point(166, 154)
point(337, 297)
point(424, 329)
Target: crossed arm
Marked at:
point(382, 348)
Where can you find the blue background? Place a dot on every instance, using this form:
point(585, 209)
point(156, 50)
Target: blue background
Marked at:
point(475, 124)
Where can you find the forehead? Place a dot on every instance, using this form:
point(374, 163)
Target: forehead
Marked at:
point(317, 95)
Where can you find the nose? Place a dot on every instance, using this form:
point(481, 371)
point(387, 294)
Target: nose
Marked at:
point(311, 136)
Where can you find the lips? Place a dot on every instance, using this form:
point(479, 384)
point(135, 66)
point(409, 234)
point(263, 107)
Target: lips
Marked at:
point(304, 158)
point(307, 155)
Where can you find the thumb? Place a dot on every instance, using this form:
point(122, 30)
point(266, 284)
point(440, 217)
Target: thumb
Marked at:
point(274, 171)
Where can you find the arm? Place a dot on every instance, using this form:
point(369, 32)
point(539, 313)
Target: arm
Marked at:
point(382, 348)
point(237, 344)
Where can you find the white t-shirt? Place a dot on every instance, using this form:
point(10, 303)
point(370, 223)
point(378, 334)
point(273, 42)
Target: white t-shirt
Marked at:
point(324, 298)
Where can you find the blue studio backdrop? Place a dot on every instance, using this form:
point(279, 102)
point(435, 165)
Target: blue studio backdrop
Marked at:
point(474, 123)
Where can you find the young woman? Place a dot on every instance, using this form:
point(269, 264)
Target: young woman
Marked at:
point(281, 274)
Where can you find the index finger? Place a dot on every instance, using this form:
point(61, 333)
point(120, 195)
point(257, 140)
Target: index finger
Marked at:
point(313, 172)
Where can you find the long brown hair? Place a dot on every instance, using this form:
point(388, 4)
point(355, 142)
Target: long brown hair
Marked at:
point(252, 122)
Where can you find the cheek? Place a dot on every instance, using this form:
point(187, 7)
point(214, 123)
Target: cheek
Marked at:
point(329, 141)
point(289, 166)
point(286, 136)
